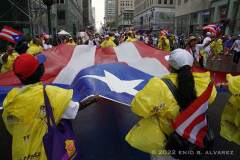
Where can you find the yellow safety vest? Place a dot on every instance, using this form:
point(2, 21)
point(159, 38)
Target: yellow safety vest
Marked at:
point(7, 66)
point(34, 49)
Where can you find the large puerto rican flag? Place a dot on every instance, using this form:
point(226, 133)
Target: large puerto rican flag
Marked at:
point(85, 68)
point(191, 124)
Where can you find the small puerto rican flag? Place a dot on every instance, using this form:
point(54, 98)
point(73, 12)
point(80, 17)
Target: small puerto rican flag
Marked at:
point(191, 124)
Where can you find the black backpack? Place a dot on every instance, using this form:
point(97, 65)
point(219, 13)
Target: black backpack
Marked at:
point(179, 147)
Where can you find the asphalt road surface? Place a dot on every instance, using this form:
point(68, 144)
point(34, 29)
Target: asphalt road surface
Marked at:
point(102, 127)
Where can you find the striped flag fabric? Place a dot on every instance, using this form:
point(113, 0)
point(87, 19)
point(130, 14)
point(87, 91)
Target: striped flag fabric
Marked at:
point(86, 31)
point(44, 35)
point(212, 28)
point(11, 34)
point(220, 27)
point(109, 27)
point(165, 32)
point(191, 124)
point(227, 45)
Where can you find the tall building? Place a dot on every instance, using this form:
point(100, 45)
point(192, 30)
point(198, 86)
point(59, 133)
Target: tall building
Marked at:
point(191, 20)
point(27, 16)
point(70, 16)
point(109, 11)
point(122, 5)
point(88, 21)
point(154, 14)
point(93, 12)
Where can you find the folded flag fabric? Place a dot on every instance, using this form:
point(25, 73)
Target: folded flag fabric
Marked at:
point(11, 34)
point(165, 32)
point(44, 35)
point(191, 124)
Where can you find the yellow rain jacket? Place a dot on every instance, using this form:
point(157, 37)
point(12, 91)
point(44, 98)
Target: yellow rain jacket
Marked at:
point(23, 113)
point(111, 38)
point(131, 39)
point(73, 43)
point(156, 103)
point(136, 37)
point(108, 43)
point(9, 64)
point(215, 46)
point(34, 49)
point(220, 45)
point(230, 120)
point(164, 44)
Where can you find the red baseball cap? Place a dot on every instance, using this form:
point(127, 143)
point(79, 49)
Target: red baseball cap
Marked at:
point(27, 64)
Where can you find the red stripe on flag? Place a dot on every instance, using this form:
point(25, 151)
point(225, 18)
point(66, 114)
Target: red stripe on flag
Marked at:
point(6, 33)
point(10, 40)
point(151, 52)
point(13, 30)
point(105, 55)
point(200, 135)
point(57, 59)
point(188, 130)
point(189, 111)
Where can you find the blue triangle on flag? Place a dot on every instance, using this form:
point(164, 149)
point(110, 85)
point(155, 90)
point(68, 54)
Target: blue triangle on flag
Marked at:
point(17, 38)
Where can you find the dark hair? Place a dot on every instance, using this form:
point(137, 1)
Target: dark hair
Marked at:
point(186, 90)
point(35, 40)
point(35, 77)
point(3, 48)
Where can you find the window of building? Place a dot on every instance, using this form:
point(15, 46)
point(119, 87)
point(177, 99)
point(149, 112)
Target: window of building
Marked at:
point(171, 1)
point(159, 1)
point(61, 1)
point(165, 1)
point(179, 2)
point(185, 1)
point(61, 14)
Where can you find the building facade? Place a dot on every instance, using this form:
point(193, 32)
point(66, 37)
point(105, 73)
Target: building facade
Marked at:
point(191, 16)
point(122, 5)
point(154, 14)
point(125, 19)
point(27, 16)
point(70, 16)
point(109, 11)
point(225, 8)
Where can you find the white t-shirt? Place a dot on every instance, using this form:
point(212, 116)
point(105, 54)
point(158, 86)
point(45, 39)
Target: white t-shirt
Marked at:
point(206, 40)
point(155, 40)
point(45, 46)
point(90, 43)
point(97, 40)
point(237, 45)
point(198, 48)
point(145, 39)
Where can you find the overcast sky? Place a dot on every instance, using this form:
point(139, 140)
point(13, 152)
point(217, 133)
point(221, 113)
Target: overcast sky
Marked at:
point(99, 11)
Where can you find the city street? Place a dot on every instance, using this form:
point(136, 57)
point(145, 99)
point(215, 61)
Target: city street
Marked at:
point(102, 127)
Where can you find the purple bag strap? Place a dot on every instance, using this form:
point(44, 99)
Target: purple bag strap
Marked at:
point(49, 112)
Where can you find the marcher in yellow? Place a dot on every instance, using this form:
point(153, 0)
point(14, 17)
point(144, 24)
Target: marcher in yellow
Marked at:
point(164, 44)
point(220, 43)
point(230, 120)
point(107, 42)
point(71, 41)
point(7, 58)
point(132, 38)
point(156, 103)
point(24, 113)
point(111, 36)
point(35, 47)
point(216, 48)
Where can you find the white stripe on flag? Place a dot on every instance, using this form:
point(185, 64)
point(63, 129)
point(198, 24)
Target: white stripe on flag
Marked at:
point(83, 57)
point(127, 52)
point(8, 31)
point(184, 125)
point(6, 35)
point(193, 134)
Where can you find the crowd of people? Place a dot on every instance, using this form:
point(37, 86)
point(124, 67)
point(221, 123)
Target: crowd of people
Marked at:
point(29, 70)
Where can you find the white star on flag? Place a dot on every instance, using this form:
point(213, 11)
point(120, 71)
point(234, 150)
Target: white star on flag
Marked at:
point(17, 38)
point(117, 85)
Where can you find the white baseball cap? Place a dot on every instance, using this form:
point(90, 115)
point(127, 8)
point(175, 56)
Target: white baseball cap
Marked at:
point(106, 36)
point(70, 38)
point(179, 58)
point(208, 33)
point(239, 35)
